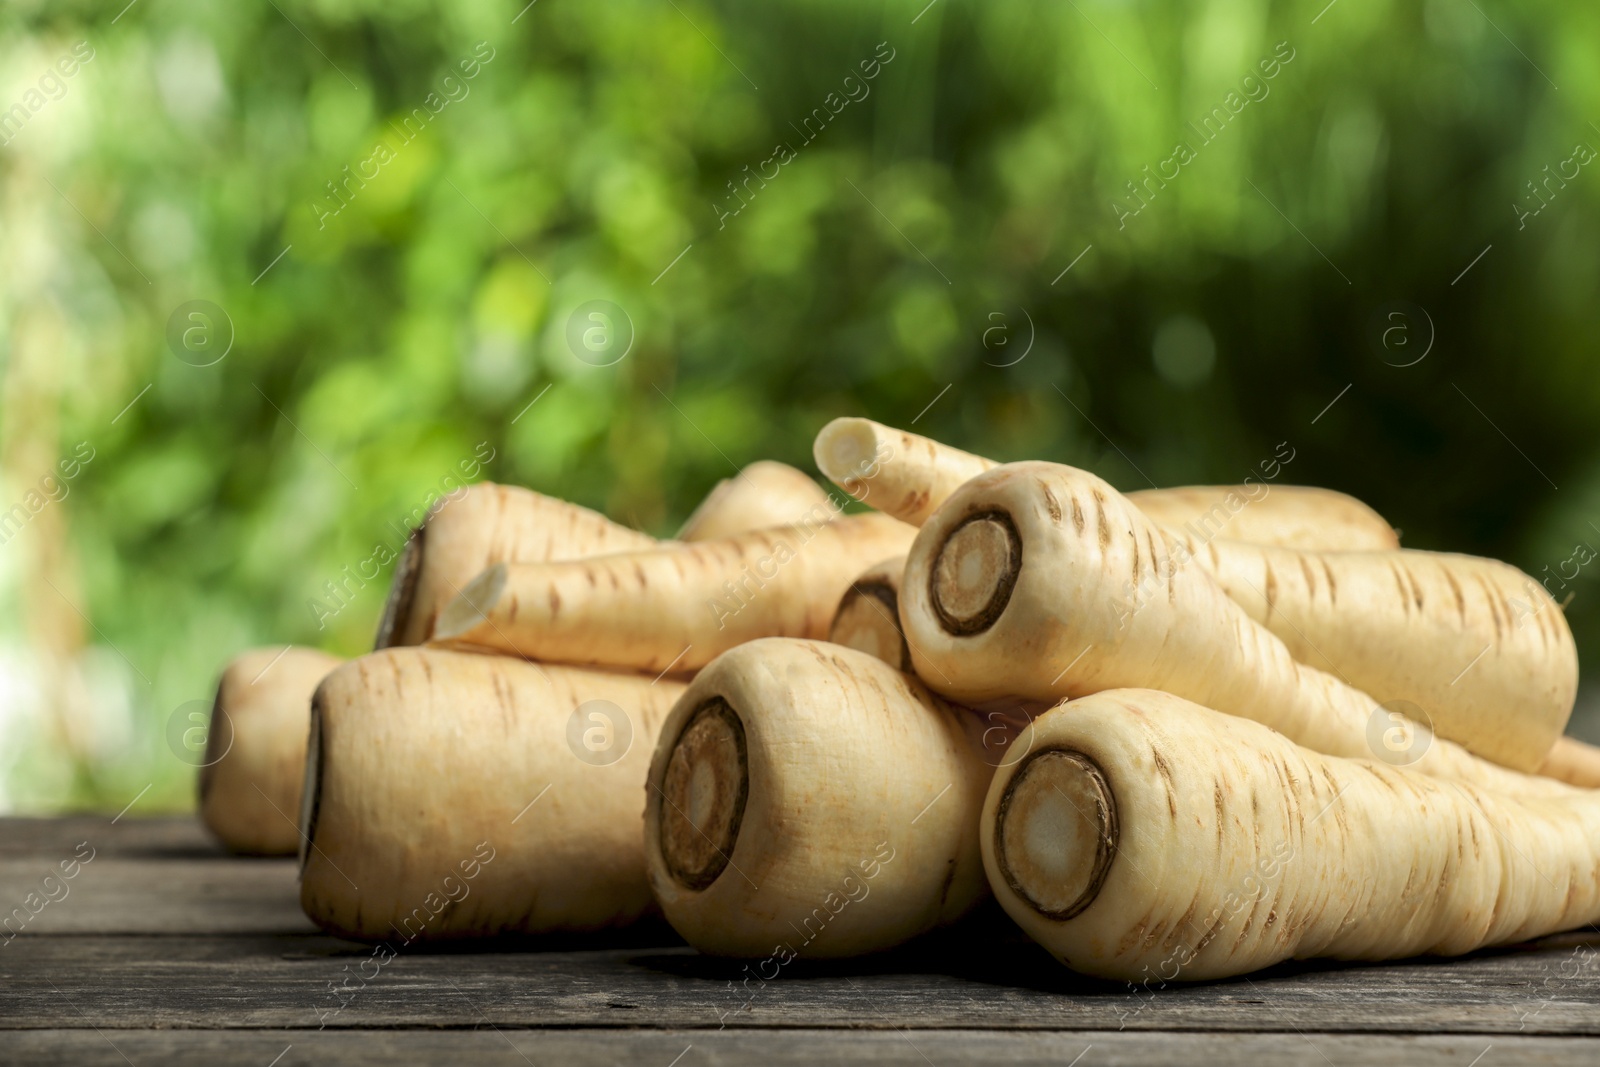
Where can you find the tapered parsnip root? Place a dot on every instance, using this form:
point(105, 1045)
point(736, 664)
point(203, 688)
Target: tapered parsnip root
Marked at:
point(676, 606)
point(1146, 838)
point(908, 476)
point(1572, 761)
point(1041, 582)
point(763, 494)
point(452, 796)
point(1474, 643)
point(868, 618)
point(488, 524)
point(1292, 515)
point(899, 473)
point(809, 800)
point(256, 748)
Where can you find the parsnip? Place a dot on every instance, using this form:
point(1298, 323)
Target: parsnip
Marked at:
point(908, 476)
point(809, 800)
point(458, 539)
point(256, 748)
point(763, 494)
point(868, 617)
point(452, 796)
point(1477, 645)
point(485, 525)
point(1451, 611)
point(1019, 587)
point(674, 606)
point(896, 472)
point(1146, 838)
point(1295, 515)
point(1573, 761)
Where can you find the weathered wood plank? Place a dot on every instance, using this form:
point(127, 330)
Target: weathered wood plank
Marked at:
point(55, 838)
point(112, 894)
point(74, 965)
point(307, 981)
point(734, 1048)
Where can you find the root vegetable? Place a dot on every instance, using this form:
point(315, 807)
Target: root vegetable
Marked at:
point(809, 800)
point(459, 538)
point(451, 795)
point(868, 618)
point(908, 476)
point(1399, 625)
point(1474, 643)
point(485, 525)
point(763, 494)
point(675, 606)
point(1145, 838)
point(899, 473)
point(256, 748)
point(1042, 582)
point(1293, 515)
point(1572, 761)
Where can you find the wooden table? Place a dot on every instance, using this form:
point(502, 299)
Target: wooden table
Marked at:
point(163, 950)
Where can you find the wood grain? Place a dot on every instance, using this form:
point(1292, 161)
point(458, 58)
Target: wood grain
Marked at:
point(792, 1048)
point(286, 980)
point(166, 950)
point(114, 894)
point(167, 837)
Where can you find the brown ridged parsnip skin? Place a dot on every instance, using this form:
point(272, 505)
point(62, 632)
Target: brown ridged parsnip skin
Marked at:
point(1148, 839)
point(675, 606)
point(809, 800)
point(1297, 516)
point(1041, 582)
point(909, 476)
point(868, 617)
point(256, 748)
point(1477, 645)
point(488, 524)
point(763, 494)
point(428, 765)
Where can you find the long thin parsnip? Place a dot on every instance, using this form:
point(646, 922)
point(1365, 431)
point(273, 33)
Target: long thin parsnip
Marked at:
point(1573, 761)
point(908, 476)
point(675, 606)
point(1475, 644)
point(868, 617)
point(809, 800)
point(453, 796)
point(485, 525)
point(1042, 582)
point(1295, 515)
point(1148, 839)
point(256, 748)
point(899, 473)
point(761, 495)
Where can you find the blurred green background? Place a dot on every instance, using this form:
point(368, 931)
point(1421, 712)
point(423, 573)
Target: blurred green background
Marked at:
point(1383, 254)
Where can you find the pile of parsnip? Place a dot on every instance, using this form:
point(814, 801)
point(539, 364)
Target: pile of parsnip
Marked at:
point(1178, 734)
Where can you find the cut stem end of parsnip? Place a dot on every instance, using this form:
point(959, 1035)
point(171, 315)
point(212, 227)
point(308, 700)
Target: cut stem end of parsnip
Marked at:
point(402, 591)
point(845, 450)
point(311, 788)
point(703, 796)
point(975, 572)
point(868, 621)
point(471, 608)
point(1056, 832)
